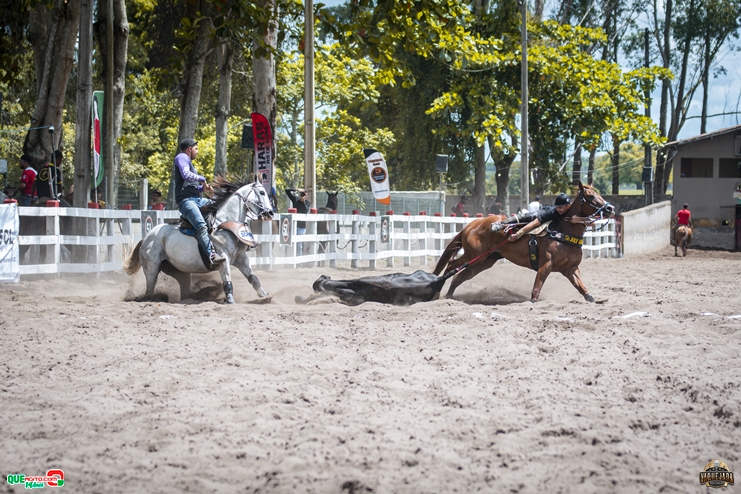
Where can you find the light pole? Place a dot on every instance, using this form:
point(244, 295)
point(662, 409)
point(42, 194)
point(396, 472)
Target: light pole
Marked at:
point(309, 129)
point(524, 168)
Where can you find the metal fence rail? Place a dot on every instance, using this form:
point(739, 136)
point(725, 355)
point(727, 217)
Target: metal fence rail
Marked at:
point(75, 240)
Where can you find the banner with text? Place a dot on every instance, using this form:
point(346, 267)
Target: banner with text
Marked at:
point(263, 150)
point(10, 266)
point(379, 176)
point(96, 174)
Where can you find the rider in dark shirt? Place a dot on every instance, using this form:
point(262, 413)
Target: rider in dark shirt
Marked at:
point(535, 219)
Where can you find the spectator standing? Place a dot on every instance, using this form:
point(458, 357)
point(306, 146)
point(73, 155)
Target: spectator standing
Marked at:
point(49, 179)
point(496, 208)
point(460, 208)
point(28, 178)
point(302, 205)
point(535, 205)
point(156, 200)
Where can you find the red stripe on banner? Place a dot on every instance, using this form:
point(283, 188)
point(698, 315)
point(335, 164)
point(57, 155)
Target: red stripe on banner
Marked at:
point(263, 150)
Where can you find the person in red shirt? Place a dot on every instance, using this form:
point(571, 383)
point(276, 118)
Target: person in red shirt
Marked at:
point(28, 177)
point(684, 217)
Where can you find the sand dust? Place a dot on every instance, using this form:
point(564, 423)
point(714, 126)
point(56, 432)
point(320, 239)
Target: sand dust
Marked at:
point(486, 392)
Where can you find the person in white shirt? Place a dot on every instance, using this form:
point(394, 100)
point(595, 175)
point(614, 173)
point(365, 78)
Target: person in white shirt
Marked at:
point(535, 205)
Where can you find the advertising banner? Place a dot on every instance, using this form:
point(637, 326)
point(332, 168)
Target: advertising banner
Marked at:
point(10, 266)
point(386, 226)
point(263, 150)
point(150, 219)
point(96, 173)
point(286, 221)
point(379, 176)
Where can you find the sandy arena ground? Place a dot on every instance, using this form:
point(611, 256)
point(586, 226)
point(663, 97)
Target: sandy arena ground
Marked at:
point(484, 393)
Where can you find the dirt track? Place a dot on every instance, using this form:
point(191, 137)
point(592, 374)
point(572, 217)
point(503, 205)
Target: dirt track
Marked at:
point(486, 393)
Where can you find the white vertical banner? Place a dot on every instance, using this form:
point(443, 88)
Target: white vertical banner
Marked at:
point(379, 176)
point(10, 266)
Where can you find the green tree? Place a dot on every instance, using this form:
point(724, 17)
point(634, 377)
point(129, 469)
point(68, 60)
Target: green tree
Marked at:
point(630, 164)
point(341, 82)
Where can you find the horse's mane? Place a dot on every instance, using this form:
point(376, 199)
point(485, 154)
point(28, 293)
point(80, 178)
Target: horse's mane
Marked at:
point(223, 190)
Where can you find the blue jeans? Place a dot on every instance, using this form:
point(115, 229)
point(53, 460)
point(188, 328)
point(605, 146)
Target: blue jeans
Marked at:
point(189, 210)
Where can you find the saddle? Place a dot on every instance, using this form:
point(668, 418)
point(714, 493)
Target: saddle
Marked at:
point(240, 230)
point(542, 231)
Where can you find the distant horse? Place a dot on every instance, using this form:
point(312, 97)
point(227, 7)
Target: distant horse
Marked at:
point(322, 227)
point(557, 251)
point(167, 249)
point(682, 238)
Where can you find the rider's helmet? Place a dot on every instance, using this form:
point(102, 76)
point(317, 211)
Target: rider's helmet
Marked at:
point(561, 200)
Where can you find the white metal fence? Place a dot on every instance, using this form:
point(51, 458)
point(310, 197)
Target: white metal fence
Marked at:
point(75, 240)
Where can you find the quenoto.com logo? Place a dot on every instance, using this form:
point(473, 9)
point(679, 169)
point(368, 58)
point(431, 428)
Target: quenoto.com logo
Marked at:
point(53, 478)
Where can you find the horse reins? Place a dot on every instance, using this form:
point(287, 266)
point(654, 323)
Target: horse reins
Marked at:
point(460, 268)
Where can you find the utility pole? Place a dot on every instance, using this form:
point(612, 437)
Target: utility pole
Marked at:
point(524, 167)
point(83, 120)
point(309, 130)
point(648, 169)
point(111, 186)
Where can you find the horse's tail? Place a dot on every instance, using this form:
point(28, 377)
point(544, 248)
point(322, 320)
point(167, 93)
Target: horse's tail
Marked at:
point(132, 262)
point(453, 247)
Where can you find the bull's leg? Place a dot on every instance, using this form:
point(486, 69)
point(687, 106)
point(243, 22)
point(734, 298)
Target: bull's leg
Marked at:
point(574, 277)
point(540, 278)
point(242, 262)
point(471, 271)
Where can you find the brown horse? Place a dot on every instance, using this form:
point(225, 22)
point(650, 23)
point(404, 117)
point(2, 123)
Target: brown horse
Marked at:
point(482, 247)
point(682, 238)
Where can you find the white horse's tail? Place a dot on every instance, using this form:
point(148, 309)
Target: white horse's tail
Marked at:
point(132, 262)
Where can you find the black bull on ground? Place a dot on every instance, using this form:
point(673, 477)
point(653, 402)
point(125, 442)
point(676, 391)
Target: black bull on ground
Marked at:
point(396, 289)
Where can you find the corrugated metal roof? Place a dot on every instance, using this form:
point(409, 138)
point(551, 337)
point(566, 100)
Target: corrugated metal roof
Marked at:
point(709, 135)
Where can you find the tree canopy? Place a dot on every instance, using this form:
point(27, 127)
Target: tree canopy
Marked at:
point(410, 78)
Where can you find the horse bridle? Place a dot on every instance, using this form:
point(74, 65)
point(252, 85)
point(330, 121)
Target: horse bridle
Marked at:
point(264, 212)
point(598, 213)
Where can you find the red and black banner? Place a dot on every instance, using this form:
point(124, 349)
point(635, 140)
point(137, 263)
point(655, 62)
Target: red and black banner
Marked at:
point(263, 150)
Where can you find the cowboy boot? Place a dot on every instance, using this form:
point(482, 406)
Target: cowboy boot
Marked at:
point(215, 257)
point(499, 225)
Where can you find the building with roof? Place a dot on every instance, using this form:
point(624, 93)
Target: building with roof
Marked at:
point(707, 176)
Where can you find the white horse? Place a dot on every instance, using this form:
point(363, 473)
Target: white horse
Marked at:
point(167, 249)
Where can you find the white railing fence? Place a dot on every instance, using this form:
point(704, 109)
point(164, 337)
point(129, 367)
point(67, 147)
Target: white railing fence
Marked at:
point(75, 240)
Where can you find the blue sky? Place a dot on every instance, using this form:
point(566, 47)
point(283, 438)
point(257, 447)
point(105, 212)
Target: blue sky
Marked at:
point(724, 95)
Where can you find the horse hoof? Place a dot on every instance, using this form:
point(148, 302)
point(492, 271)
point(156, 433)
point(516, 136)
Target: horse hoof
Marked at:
point(588, 298)
point(262, 293)
point(230, 299)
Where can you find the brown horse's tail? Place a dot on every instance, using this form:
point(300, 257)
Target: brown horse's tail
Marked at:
point(453, 247)
point(132, 261)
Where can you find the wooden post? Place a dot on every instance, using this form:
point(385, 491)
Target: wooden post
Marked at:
point(406, 228)
point(372, 222)
point(423, 238)
point(354, 241)
point(333, 243)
